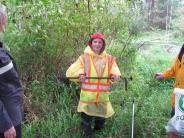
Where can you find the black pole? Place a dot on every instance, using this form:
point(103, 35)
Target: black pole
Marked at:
point(125, 78)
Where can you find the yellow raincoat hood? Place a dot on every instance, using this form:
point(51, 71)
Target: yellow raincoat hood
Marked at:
point(89, 51)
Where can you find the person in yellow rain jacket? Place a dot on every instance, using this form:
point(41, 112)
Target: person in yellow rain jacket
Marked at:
point(175, 71)
point(94, 100)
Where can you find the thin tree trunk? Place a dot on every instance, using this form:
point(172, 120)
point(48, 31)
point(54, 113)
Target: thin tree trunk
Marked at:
point(152, 7)
point(170, 19)
point(167, 16)
point(77, 3)
point(89, 15)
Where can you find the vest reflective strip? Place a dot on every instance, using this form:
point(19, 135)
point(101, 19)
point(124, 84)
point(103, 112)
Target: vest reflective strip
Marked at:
point(94, 87)
point(6, 68)
point(111, 61)
point(86, 64)
point(109, 58)
point(96, 83)
point(91, 102)
point(104, 87)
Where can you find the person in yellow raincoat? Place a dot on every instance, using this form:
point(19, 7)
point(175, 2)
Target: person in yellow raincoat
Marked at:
point(175, 71)
point(94, 100)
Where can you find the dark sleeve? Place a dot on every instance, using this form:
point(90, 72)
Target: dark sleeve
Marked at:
point(12, 59)
point(4, 58)
point(5, 121)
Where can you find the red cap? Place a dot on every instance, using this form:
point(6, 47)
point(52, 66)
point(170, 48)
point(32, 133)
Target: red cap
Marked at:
point(96, 36)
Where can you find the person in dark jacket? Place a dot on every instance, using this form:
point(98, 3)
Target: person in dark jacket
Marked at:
point(11, 92)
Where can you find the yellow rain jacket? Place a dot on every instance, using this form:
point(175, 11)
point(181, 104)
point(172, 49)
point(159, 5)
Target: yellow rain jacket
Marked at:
point(96, 106)
point(176, 70)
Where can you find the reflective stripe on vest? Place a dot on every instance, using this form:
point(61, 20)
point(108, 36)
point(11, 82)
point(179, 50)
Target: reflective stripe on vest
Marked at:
point(104, 88)
point(86, 64)
point(95, 87)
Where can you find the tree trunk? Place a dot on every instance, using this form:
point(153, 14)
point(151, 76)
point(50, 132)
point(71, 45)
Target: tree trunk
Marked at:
point(89, 15)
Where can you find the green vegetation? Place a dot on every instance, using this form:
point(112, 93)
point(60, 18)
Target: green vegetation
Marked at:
point(46, 36)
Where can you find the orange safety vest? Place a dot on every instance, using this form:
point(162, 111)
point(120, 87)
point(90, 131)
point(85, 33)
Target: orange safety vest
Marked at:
point(95, 90)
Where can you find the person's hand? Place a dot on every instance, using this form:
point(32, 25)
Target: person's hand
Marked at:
point(82, 77)
point(65, 80)
point(159, 76)
point(10, 133)
point(115, 77)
